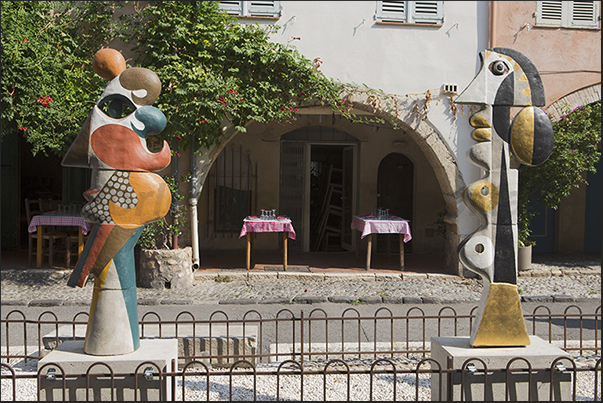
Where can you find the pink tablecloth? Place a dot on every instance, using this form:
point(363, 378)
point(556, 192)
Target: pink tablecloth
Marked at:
point(257, 225)
point(393, 225)
point(59, 220)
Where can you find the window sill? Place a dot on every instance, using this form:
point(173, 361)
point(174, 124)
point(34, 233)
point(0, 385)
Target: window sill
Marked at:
point(564, 27)
point(410, 24)
point(257, 17)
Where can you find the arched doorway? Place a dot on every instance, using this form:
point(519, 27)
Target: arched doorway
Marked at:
point(395, 184)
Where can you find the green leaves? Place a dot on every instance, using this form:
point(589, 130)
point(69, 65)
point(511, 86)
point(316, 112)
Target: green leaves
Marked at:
point(47, 51)
point(576, 151)
point(224, 69)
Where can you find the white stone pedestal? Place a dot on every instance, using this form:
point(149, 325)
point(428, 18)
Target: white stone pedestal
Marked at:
point(539, 354)
point(155, 354)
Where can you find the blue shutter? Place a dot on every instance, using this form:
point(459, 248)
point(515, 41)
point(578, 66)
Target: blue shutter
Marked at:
point(270, 8)
point(428, 12)
point(232, 7)
point(392, 10)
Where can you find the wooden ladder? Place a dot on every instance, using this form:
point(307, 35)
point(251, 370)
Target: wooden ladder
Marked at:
point(329, 224)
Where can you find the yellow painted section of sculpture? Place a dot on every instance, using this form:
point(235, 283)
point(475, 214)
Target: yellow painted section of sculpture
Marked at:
point(479, 120)
point(154, 199)
point(484, 195)
point(522, 135)
point(502, 323)
point(481, 134)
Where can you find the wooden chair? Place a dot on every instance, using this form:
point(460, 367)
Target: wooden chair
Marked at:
point(49, 238)
point(71, 245)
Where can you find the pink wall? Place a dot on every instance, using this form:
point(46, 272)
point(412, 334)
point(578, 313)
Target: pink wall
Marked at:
point(567, 59)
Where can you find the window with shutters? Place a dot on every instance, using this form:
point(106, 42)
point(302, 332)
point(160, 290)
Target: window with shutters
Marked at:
point(410, 12)
point(252, 8)
point(568, 14)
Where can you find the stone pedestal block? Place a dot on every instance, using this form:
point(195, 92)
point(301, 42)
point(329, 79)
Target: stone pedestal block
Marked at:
point(453, 352)
point(154, 354)
point(166, 268)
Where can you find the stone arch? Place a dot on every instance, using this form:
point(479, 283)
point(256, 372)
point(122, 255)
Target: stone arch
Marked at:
point(571, 101)
point(429, 140)
point(442, 161)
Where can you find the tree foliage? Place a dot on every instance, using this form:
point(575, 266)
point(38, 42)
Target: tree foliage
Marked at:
point(576, 151)
point(48, 86)
point(211, 68)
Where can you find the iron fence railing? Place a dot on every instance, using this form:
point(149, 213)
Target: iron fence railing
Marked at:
point(308, 356)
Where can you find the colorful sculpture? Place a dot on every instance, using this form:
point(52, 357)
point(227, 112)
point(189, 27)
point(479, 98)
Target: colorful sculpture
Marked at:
point(507, 78)
point(123, 197)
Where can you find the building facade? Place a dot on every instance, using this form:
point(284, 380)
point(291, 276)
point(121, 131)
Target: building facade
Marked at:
point(410, 59)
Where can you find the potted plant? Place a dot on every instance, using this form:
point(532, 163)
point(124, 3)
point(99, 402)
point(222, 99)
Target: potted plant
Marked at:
point(162, 264)
point(524, 247)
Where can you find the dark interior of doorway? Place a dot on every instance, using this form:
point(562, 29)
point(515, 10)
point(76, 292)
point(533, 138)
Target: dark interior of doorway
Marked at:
point(41, 176)
point(326, 191)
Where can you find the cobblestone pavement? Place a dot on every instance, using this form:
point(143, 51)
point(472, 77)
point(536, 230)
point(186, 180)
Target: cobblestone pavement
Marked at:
point(552, 278)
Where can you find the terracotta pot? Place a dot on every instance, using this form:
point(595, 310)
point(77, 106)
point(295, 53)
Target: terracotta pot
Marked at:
point(524, 258)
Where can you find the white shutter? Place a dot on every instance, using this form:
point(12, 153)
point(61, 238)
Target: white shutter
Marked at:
point(549, 13)
point(428, 12)
point(232, 7)
point(392, 11)
point(270, 8)
point(585, 14)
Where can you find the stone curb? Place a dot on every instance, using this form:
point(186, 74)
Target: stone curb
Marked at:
point(282, 275)
point(238, 301)
point(297, 300)
point(309, 300)
point(46, 302)
point(560, 272)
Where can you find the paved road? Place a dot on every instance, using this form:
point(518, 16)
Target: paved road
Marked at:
point(416, 325)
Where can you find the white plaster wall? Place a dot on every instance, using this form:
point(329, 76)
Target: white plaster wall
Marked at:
point(398, 59)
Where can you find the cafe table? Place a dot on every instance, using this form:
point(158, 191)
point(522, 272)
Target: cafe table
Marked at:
point(369, 225)
point(255, 224)
point(52, 218)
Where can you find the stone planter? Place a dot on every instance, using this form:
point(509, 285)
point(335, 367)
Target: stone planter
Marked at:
point(166, 268)
point(524, 258)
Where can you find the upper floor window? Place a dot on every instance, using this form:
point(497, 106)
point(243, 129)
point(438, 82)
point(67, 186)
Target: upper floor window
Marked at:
point(568, 14)
point(252, 8)
point(425, 12)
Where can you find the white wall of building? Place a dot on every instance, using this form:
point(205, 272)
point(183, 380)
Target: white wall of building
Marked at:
point(398, 59)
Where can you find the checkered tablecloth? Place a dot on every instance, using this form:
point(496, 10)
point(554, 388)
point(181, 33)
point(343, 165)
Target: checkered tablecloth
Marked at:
point(372, 225)
point(59, 220)
point(258, 225)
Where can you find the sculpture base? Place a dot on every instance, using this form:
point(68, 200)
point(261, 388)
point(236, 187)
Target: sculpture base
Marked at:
point(539, 354)
point(71, 357)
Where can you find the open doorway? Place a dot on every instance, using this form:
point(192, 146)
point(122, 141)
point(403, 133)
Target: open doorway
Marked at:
point(332, 195)
point(312, 158)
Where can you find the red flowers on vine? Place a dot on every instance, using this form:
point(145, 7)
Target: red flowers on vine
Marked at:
point(44, 100)
point(221, 100)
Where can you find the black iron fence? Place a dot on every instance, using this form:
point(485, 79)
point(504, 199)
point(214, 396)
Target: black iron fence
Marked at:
point(306, 356)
